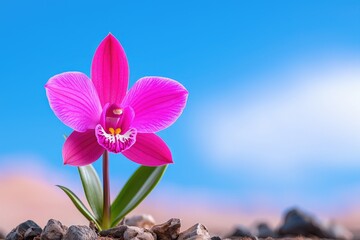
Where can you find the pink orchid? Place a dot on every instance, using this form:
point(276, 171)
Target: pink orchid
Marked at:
point(107, 117)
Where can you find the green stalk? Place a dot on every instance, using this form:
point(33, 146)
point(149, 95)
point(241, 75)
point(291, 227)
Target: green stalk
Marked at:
point(106, 219)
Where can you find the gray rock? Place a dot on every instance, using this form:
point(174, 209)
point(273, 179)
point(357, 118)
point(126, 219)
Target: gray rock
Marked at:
point(142, 221)
point(242, 232)
point(124, 232)
point(196, 232)
point(167, 231)
point(80, 233)
point(264, 231)
point(135, 233)
point(116, 232)
point(31, 233)
point(299, 223)
point(339, 232)
point(249, 238)
point(28, 228)
point(356, 234)
point(53, 230)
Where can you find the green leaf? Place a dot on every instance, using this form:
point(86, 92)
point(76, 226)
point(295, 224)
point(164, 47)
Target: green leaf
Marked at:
point(80, 206)
point(135, 190)
point(93, 190)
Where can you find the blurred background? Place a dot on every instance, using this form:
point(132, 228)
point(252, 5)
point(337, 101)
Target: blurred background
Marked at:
point(272, 120)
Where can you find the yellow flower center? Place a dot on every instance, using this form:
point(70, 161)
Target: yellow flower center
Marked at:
point(115, 131)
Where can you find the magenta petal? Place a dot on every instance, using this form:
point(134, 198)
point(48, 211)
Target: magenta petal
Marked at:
point(126, 119)
point(74, 100)
point(109, 71)
point(81, 148)
point(157, 103)
point(149, 150)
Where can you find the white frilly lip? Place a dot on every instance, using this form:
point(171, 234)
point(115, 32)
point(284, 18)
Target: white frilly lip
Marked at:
point(115, 143)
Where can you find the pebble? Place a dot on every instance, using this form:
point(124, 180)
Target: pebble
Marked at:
point(124, 232)
point(80, 233)
point(196, 232)
point(31, 233)
point(215, 238)
point(26, 230)
point(242, 232)
point(116, 232)
point(299, 223)
point(53, 230)
point(136, 233)
point(338, 231)
point(142, 221)
point(167, 231)
point(264, 231)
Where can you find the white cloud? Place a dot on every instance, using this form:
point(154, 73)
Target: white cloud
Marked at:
point(313, 115)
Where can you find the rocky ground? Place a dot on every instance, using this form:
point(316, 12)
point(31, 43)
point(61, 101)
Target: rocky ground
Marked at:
point(295, 225)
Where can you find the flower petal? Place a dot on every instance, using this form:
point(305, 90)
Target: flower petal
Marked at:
point(157, 103)
point(114, 116)
point(149, 150)
point(110, 71)
point(126, 119)
point(74, 100)
point(81, 148)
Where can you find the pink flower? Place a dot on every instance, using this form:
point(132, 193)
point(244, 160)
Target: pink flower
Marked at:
point(105, 116)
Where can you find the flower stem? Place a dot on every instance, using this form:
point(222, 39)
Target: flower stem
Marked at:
point(106, 187)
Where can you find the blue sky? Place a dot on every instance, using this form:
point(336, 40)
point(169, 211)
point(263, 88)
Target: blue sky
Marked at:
point(273, 104)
